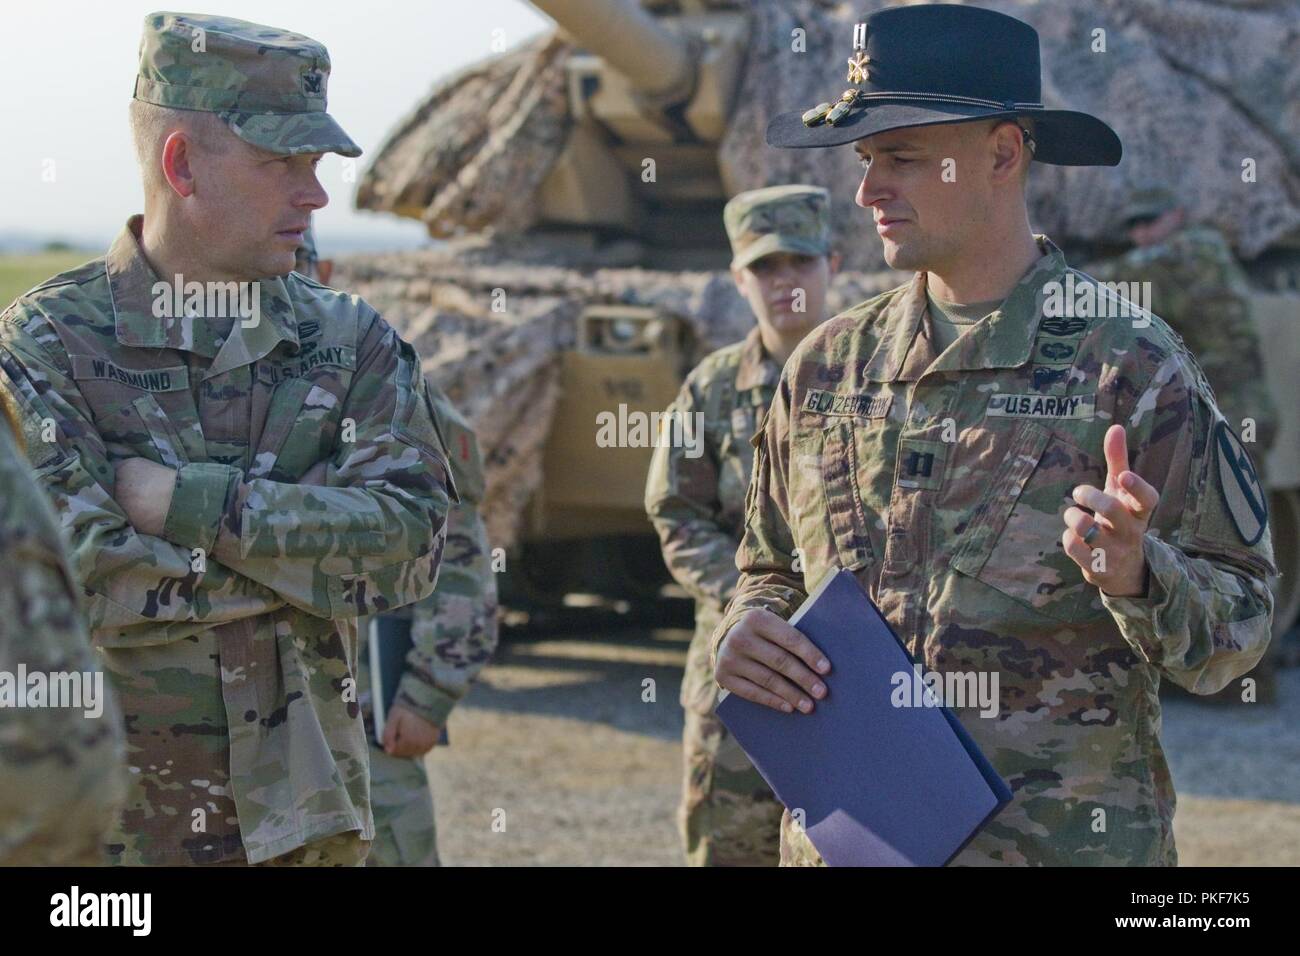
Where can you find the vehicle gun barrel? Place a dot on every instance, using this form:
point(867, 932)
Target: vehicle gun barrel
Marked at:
point(660, 64)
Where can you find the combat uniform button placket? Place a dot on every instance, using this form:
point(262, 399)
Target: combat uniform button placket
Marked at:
point(842, 493)
point(909, 540)
point(900, 560)
point(233, 414)
point(235, 650)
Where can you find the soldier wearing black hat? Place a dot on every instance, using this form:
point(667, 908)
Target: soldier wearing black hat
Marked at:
point(1029, 476)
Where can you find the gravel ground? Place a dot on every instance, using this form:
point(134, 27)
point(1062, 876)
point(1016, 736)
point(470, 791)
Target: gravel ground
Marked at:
point(556, 759)
point(1236, 769)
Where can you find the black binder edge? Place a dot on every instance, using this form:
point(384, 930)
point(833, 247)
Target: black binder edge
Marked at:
point(378, 709)
point(378, 712)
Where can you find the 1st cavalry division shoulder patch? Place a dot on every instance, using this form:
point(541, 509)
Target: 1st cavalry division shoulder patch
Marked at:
point(1243, 495)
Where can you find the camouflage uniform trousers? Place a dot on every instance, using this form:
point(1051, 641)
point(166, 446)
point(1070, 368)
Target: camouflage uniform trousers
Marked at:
point(729, 816)
point(341, 849)
point(402, 803)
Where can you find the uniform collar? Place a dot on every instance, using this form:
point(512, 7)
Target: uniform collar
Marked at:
point(757, 368)
point(1002, 339)
point(131, 282)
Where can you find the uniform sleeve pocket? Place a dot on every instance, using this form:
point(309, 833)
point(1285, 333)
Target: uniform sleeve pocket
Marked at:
point(1012, 542)
point(415, 420)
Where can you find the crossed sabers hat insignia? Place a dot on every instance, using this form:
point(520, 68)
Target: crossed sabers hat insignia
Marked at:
point(858, 67)
point(832, 113)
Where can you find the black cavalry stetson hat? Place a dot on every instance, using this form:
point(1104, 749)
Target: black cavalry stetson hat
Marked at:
point(945, 63)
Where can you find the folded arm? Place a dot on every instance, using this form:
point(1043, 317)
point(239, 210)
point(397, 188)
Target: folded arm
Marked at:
point(139, 588)
point(370, 541)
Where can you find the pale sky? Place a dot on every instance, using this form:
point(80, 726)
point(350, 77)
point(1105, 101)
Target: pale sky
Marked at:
point(67, 68)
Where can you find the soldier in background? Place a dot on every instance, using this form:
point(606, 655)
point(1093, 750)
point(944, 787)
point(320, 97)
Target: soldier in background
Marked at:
point(237, 488)
point(1198, 287)
point(782, 265)
point(308, 261)
point(1200, 290)
point(454, 632)
point(62, 773)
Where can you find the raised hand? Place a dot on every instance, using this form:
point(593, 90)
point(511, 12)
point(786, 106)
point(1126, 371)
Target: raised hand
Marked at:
point(1118, 520)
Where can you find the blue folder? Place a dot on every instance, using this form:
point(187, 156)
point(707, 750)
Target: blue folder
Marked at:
point(879, 785)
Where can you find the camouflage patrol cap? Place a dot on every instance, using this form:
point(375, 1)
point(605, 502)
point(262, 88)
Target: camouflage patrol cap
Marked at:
point(1149, 202)
point(778, 219)
point(268, 85)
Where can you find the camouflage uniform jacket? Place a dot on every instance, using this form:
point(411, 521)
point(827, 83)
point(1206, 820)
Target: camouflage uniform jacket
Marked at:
point(454, 630)
point(958, 542)
point(231, 638)
point(1200, 290)
point(697, 505)
point(62, 773)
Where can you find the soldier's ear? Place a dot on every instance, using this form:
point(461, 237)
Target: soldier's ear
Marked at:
point(175, 161)
point(833, 262)
point(737, 276)
point(1009, 152)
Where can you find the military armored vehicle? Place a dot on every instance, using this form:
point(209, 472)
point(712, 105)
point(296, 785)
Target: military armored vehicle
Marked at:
point(577, 183)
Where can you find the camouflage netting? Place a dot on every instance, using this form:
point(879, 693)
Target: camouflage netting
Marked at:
point(461, 168)
point(502, 368)
point(1192, 88)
